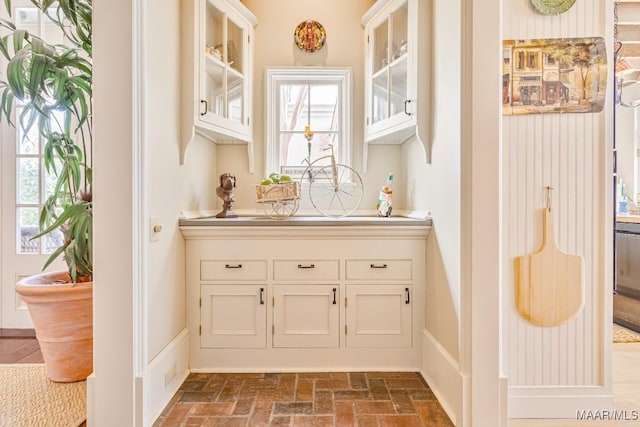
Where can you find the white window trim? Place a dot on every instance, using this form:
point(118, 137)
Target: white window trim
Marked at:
point(276, 75)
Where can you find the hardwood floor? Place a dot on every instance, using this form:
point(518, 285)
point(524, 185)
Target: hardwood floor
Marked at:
point(19, 346)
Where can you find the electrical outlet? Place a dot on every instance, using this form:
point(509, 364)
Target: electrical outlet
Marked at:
point(154, 228)
point(170, 374)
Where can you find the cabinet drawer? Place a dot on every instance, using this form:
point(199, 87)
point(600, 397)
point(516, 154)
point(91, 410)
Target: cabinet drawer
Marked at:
point(378, 269)
point(233, 270)
point(306, 270)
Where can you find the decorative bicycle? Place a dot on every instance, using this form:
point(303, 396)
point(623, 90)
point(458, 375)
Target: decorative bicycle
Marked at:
point(335, 189)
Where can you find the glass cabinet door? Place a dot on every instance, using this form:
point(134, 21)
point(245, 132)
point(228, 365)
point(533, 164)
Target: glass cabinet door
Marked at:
point(389, 67)
point(223, 79)
point(235, 72)
point(214, 62)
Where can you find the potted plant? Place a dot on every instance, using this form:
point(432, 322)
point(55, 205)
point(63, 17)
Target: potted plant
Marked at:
point(52, 85)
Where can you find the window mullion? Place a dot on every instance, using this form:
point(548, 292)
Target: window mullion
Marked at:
point(309, 104)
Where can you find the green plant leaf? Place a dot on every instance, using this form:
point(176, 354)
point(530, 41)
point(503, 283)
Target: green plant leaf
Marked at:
point(19, 37)
point(16, 73)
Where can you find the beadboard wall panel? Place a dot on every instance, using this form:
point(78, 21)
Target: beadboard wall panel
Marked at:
point(567, 151)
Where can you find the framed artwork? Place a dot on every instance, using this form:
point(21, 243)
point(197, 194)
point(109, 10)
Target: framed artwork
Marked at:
point(309, 36)
point(554, 75)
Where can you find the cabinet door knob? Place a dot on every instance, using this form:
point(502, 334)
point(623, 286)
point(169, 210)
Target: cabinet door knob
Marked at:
point(206, 106)
point(408, 300)
point(334, 296)
point(408, 101)
point(233, 266)
point(306, 266)
point(262, 296)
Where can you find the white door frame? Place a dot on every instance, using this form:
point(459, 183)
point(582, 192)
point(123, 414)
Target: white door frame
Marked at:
point(484, 394)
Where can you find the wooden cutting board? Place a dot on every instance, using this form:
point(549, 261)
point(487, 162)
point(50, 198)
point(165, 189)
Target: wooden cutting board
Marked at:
point(549, 283)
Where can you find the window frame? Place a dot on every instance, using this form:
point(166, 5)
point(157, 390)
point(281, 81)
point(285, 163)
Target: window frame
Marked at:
point(276, 76)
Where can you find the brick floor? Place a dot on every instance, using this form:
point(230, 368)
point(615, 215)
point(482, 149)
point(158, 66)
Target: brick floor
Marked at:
point(375, 399)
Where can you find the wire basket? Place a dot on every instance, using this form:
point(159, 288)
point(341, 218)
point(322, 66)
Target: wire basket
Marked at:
point(279, 201)
point(278, 192)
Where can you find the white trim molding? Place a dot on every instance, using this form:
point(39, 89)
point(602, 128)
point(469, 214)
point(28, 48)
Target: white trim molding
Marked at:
point(163, 377)
point(442, 372)
point(558, 402)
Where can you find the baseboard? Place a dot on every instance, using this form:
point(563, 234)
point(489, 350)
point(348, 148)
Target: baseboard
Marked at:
point(163, 377)
point(557, 402)
point(441, 371)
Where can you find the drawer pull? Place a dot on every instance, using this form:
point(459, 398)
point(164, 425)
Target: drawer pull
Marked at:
point(408, 300)
point(378, 265)
point(306, 266)
point(334, 296)
point(262, 296)
point(233, 266)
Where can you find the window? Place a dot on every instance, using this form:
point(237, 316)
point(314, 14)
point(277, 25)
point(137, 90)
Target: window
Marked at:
point(533, 60)
point(520, 60)
point(33, 184)
point(299, 97)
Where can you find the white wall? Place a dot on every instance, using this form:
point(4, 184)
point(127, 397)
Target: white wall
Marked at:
point(110, 389)
point(274, 46)
point(170, 187)
point(140, 318)
point(435, 187)
point(555, 370)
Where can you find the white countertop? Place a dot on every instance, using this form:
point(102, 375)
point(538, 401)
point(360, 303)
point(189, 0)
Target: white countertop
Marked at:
point(297, 220)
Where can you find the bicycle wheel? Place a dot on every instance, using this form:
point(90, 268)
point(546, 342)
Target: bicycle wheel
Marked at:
point(335, 195)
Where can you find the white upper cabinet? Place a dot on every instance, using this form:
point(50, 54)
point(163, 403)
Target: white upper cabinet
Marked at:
point(397, 78)
point(217, 72)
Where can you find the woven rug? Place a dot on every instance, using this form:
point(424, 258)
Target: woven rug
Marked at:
point(624, 335)
point(28, 398)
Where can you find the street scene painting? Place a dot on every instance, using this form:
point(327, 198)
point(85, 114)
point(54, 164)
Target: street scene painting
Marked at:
point(554, 76)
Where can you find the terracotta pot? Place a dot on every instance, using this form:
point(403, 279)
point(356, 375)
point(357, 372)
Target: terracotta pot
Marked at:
point(62, 315)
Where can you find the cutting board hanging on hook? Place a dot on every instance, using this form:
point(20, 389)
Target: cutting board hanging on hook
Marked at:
point(549, 283)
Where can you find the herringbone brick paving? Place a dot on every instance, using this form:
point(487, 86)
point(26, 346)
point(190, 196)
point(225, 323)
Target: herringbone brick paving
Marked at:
point(377, 399)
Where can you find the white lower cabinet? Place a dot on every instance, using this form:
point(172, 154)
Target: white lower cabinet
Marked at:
point(378, 316)
point(305, 298)
point(233, 316)
point(306, 316)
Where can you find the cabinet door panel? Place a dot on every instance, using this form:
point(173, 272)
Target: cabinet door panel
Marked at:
point(306, 316)
point(233, 316)
point(378, 316)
